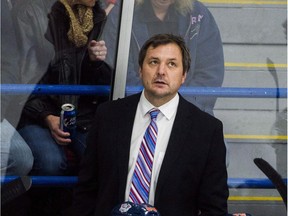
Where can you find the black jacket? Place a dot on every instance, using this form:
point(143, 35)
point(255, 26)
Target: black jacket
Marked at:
point(193, 175)
point(70, 66)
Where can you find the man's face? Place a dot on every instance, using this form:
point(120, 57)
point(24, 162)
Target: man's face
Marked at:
point(162, 73)
point(88, 3)
point(162, 4)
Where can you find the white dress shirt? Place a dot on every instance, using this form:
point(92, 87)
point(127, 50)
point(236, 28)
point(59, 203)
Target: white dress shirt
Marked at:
point(165, 120)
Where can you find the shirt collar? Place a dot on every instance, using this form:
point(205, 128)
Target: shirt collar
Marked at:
point(168, 109)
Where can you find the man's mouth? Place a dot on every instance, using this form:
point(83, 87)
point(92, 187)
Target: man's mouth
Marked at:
point(160, 81)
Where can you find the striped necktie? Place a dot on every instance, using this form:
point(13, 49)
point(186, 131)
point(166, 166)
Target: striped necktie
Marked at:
point(139, 192)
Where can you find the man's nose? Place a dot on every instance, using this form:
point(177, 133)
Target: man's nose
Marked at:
point(161, 69)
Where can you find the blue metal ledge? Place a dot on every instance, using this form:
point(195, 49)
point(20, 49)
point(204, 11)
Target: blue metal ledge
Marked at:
point(102, 90)
point(69, 181)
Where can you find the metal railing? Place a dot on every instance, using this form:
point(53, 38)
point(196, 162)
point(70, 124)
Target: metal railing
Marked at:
point(70, 181)
point(65, 181)
point(16, 89)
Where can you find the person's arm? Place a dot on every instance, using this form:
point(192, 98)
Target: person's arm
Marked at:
point(213, 192)
point(209, 65)
point(9, 61)
point(208, 70)
point(35, 51)
point(95, 71)
point(39, 106)
point(53, 123)
point(111, 33)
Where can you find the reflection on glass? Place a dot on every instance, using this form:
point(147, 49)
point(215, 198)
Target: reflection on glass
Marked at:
point(58, 43)
point(194, 23)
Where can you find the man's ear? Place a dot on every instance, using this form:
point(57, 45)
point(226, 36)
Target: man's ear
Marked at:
point(140, 73)
point(184, 77)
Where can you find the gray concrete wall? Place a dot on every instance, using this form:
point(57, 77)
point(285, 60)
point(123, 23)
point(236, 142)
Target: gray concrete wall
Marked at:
point(251, 34)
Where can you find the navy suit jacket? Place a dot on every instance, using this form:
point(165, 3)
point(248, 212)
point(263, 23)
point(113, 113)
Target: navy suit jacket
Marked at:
point(193, 176)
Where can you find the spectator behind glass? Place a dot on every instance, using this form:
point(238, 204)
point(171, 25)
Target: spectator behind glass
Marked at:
point(189, 175)
point(31, 21)
point(187, 18)
point(74, 27)
point(16, 156)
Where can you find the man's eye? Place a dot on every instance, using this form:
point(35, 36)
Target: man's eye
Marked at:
point(172, 64)
point(153, 62)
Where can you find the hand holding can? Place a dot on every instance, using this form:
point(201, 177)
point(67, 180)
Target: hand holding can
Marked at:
point(68, 119)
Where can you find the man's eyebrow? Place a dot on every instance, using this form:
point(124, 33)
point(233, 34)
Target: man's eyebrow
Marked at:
point(157, 58)
point(153, 57)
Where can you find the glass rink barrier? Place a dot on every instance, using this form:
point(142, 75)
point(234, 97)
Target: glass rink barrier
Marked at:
point(238, 74)
point(244, 191)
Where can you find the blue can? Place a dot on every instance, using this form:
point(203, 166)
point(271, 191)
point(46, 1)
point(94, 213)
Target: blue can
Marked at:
point(68, 119)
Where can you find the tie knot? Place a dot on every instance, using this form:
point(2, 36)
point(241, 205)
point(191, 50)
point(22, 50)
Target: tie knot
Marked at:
point(153, 113)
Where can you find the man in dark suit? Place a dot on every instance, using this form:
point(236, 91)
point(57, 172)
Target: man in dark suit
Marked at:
point(189, 174)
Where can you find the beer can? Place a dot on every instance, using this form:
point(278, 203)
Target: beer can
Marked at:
point(68, 118)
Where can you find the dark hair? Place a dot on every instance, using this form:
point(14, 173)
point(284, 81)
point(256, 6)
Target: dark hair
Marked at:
point(163, 39)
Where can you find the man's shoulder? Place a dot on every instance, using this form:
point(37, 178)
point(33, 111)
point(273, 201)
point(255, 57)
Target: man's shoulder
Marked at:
point(196, 112)
point(128, 101)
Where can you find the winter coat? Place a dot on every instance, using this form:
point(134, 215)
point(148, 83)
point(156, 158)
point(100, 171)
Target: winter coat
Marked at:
point(70, 66)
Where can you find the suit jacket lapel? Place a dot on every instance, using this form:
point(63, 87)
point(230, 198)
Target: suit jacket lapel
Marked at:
point(124, 133)
point(176, 143)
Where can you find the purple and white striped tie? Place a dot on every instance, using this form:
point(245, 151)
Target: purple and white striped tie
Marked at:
point(139, 192)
